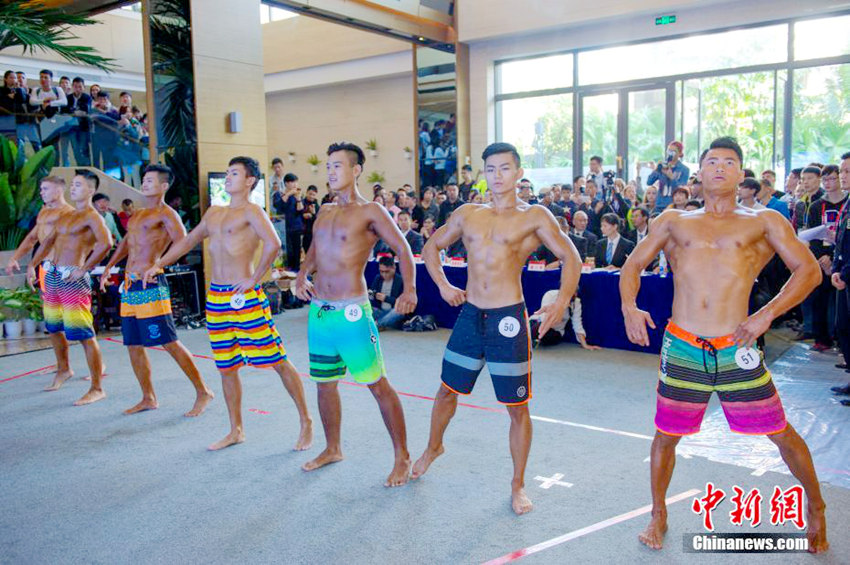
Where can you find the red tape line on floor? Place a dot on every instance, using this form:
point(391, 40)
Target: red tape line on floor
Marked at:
point(28, 373)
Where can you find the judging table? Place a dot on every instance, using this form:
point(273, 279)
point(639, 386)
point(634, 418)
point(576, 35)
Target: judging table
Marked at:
point(600, 302)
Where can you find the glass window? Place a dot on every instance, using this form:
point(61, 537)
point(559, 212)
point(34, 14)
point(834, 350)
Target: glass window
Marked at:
point(599, 129)
point(729, 49)
point(646, 138)
point(536, 74)
point(822, 38)
point(742, 106)
point(541, 128)
point(821, 124)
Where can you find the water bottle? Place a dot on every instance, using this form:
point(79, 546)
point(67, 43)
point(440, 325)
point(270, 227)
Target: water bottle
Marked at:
point(662, 264)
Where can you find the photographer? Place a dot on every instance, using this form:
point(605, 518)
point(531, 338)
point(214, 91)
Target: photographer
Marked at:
point(598, 176)
point(670, 175)
point(383, 292)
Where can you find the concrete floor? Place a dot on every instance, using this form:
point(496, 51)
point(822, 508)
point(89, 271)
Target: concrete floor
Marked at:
point(89, 485)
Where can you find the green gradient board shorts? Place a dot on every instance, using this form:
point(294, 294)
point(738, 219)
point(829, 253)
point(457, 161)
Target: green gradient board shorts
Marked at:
point(343, 335)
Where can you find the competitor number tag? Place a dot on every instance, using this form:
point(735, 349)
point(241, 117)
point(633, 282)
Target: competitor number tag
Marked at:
point(237, 301)
point(747, 358)
point(509, 326)
point(353, 312)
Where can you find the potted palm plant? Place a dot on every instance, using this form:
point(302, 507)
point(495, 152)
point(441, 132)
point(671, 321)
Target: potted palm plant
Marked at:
point(314, 161)
point(14, 311)
point(408, 153)
point(291, 156)
point(372, 146)
point(376, 177)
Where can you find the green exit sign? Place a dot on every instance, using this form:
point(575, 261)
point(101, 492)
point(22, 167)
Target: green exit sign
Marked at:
point(665, 20)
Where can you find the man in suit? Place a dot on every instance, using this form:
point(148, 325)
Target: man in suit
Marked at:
point(640, 219)
point(413, 239)
point(383, 292)
point(580, 220)
point(543, 253)
point(612, 251)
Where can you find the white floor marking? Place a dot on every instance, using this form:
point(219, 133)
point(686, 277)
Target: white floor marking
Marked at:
point(587, 530)
point(548, 482)
point(587, 427)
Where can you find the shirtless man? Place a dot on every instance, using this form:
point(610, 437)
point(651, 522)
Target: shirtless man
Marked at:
point(238, 316)
point(146, 312)
point(716, 253)
point(79, 241)
point(492, 327)
point(342, 332)
point(52, 190)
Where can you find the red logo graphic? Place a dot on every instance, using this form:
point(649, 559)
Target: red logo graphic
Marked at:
point(746, 507)
point(708, 503)
point(787, 506)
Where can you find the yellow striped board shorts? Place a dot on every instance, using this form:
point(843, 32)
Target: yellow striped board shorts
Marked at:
point(241, 328)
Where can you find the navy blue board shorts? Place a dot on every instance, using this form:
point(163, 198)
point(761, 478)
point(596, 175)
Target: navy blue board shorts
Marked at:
point(146, 312)
point(498, 337)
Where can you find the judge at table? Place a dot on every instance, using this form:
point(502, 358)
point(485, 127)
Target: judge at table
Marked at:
point(613, 249)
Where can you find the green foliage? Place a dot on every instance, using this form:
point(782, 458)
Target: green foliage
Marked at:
point(821, 122)
point(21, 302)
point(19, 178)
point(314, 160)
point(376, 177)
point(36, 27)
point(372, 144)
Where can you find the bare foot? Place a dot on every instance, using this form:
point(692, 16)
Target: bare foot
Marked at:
point(325, 458)
point(425, 461)
point(102, 373)
point(145, 404)
point(230, 439)
point(305, 438)
point(653, 535)
point(201, 402)
point(520, 501)
point(90, 397)
point(816, 533)
point(59, 380)
point(400, 473)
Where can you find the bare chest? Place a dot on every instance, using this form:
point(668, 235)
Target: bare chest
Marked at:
point(338, 228)
point(228, 224)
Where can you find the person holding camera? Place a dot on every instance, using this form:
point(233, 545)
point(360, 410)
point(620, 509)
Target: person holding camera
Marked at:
point(383, 292)
point(670, 175)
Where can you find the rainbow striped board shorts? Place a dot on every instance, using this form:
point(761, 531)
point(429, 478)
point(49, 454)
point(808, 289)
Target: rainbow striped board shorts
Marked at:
point(692, 367)
point(241, 328)
point(67, 304)
point(146, 312)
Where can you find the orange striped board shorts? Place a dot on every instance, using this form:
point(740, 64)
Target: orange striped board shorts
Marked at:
point(241, 328)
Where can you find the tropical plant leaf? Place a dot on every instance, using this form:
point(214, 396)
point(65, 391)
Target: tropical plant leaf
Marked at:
point(36, 27)
point(8, 154)
point(39, 164)
point(7, 201)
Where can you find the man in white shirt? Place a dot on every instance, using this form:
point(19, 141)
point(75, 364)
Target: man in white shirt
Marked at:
point(50, 98)
point(556, 334)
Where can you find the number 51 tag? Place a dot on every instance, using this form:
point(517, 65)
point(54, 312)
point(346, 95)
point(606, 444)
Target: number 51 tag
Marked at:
point(747, 358)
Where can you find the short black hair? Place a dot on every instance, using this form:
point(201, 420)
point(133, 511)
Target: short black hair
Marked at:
point(501, 147)
point(354, 152)
point(89, 176)
point(277, 160)
point(102, 94)
point(46, 72)
point(812, 170)
point(98, 197)
point(611, 219)
point(467, 168)
point(750, 183)
point(749, 174)
point(123, 93)
point(313, 188)
point(252, 167)
point(845, 156)
point(63, 77)
point(403, 213)
point(161, 170)
point(126, 202)
point(828, 170)
point(642, 210)
point(577, 178)
point(79, 80)
point(797, 171)
point(386, 262)
point(7, 73)
point(290, 177)
point(725, 142)
point(696, 203)
point(596, 158)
